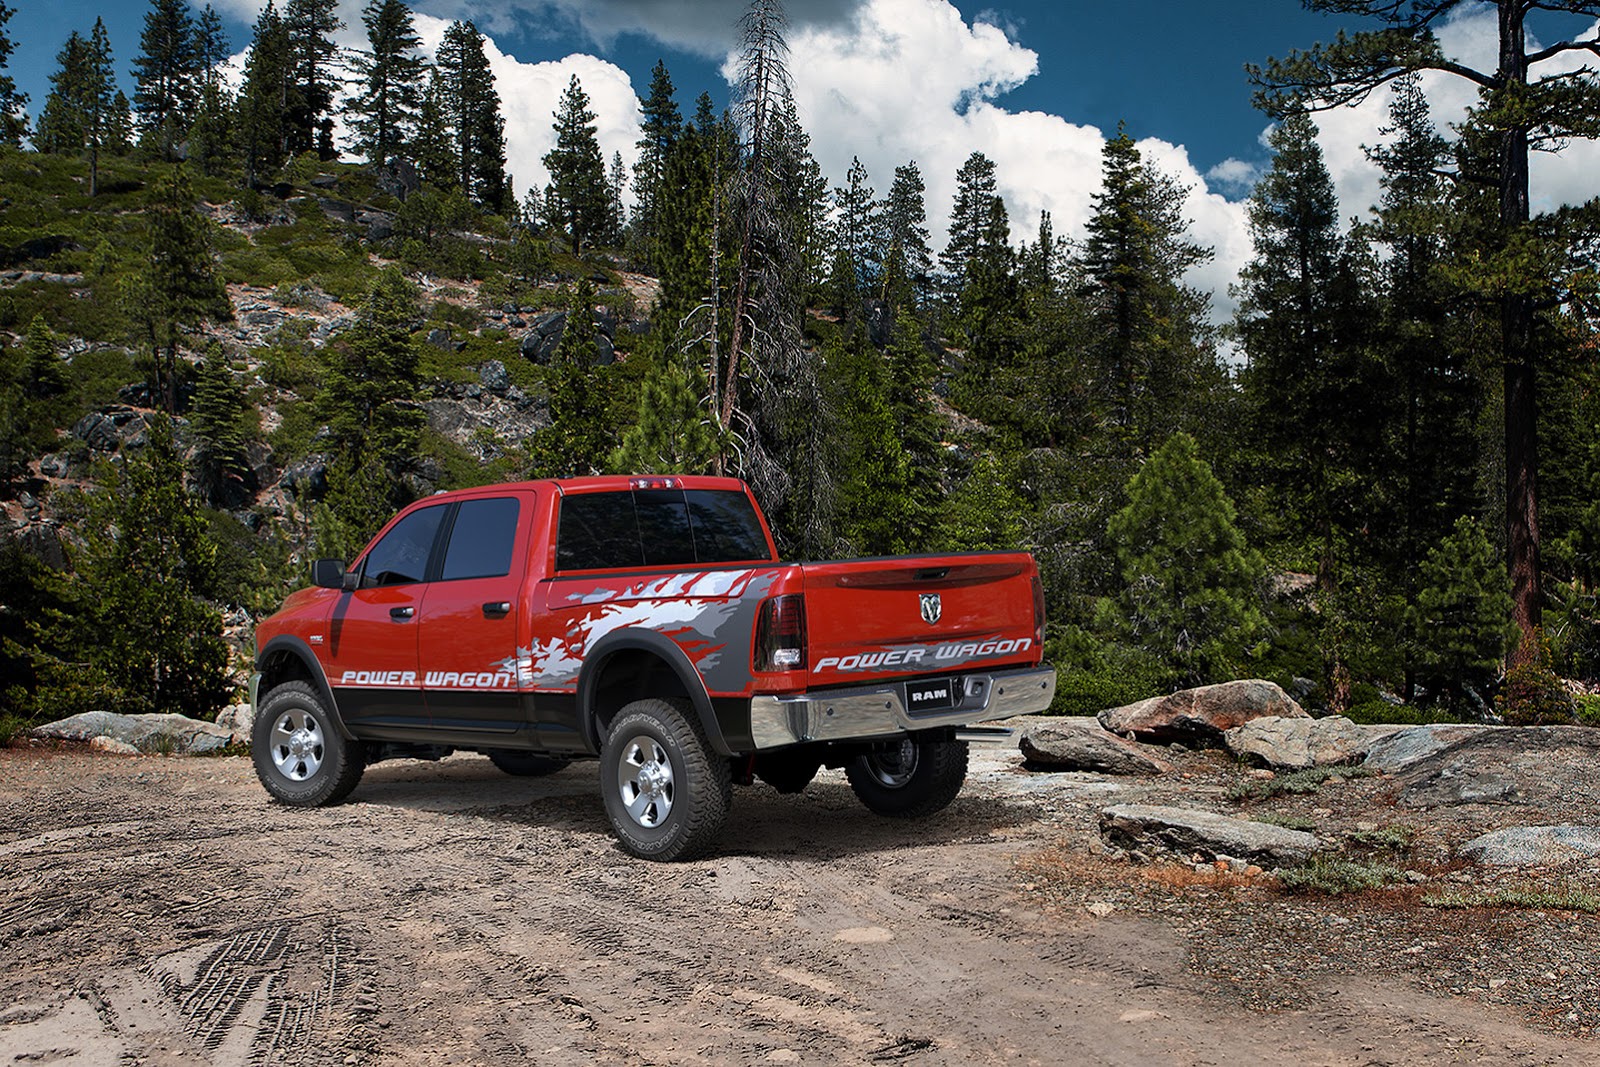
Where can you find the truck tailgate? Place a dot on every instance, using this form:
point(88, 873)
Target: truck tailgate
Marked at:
point(885, 618)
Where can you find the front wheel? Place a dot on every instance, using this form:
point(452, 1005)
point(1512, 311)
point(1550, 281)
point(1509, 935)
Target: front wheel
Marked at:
point(298, 752)
point(911, 779)
point(665, 790)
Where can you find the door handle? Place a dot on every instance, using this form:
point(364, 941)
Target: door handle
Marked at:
point(402, 613)
point(497, 609)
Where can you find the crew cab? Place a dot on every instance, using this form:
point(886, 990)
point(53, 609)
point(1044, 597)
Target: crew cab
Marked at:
point(646, 622)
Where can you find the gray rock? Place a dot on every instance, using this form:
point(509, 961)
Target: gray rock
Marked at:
point(1201, 716)
point(177, 734)
point(1187, 831)
point(308, 478)
point(112, 746)
point(492, 375)
point(54, 465)
point(1296, 744)
point(1459, 781)
point(1534, 846)
point(238, 720)
point(1080, 748)
point(264, 319)
point(1406, 748)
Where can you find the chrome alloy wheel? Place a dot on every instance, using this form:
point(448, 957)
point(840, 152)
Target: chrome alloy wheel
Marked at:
point(644, 778)
point(297, 748)
point(893, 767)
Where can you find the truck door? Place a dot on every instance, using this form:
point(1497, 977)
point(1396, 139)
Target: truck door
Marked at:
point(372, 638)
point(470, 617)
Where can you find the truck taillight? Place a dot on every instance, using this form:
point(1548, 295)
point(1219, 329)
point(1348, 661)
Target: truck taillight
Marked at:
point(781, 634)
point(1038, 611)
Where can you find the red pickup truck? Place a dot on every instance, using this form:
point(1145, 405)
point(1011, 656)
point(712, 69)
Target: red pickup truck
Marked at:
point(648, 622)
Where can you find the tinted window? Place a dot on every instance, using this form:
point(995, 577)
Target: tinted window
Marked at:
point(726, 529)
point(481, 539)
point(664, 526)
point(402, 555)
point(598, 532)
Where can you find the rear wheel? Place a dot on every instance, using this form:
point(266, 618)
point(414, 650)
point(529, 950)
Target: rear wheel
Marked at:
point(666, 792)
point(298, 752)
point(524, 764)
point(911, 779)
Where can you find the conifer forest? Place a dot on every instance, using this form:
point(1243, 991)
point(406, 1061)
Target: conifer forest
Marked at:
point(234, 339)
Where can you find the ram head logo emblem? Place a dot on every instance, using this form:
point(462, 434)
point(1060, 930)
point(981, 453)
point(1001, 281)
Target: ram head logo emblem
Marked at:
point(931, 608)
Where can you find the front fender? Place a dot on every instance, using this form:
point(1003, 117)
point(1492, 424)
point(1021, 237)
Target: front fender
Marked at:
point(270, 661)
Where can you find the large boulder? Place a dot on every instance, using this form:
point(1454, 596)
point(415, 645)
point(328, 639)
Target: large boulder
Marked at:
point(1201, 716)
point(1186, 831)
point(1086, 748)
point(1534, 846)
point(1404, 749)
point(1297, 744)
point(175, 734)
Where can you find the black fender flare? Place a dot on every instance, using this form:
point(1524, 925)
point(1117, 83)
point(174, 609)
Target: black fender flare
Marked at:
point(663, 648)
point(286, 644)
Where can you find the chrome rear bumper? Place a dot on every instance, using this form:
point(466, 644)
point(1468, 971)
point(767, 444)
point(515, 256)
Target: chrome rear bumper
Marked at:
point(865, 712)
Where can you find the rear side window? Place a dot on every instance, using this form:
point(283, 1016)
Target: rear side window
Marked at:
point(726, 528)
point(402, 556)
point(657, 528)
point(598, 532)
point(481, 539)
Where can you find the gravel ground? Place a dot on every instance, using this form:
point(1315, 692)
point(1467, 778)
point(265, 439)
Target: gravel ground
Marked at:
point(161, 911)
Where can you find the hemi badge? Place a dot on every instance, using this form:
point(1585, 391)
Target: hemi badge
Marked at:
point(316, 639)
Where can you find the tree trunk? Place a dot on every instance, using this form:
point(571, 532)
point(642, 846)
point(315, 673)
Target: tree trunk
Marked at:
point(1516, 340)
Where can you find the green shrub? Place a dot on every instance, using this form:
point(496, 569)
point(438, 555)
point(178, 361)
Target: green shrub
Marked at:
point(1589, 710)
point(1332, 876)
point(1295, 782)
point(1374, 712)
point(1532, 694)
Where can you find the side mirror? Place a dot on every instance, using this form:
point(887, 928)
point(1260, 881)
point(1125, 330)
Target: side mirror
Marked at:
point(328, 573)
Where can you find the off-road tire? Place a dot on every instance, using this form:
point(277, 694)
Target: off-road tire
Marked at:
point(788, 772)
point(666, 792)
point(910, 781)
point(298, 751)
point(525, 764)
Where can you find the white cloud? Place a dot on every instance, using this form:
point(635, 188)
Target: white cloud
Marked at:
point(911, 79)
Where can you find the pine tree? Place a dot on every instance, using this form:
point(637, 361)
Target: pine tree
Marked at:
point(263, 104)
point(905, 232)
point(434, 144)
point(1154, 360)
point(167, 75)
point(1531, 100)
point(150, 560)
point(368, 401)
point(580, 436)
point(616, 208)
point(875, 491)
point(659, 129)
point(218, 420)
point(13, 119)
point(313, 86)
point(471, 105)
point(179, 290)
point(1189, 582)
point(576, 201)
point(970, 216)
point(389, 75)
point(1461, 621)
point(673, 432)
point(42, 372)
point(857, 237)
point(79, 115)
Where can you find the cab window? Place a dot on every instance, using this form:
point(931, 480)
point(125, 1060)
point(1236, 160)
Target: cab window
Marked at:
point(401, 557)
point(481, 540)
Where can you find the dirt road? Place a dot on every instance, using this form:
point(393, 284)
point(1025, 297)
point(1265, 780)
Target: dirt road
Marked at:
point(161, 911)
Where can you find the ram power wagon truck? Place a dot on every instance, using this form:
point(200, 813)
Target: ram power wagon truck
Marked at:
point(646, 622)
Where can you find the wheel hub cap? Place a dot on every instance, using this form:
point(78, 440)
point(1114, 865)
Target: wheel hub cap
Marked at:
point(645, 781)
point(297, 747)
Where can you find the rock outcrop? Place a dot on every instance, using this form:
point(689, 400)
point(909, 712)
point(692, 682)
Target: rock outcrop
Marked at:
point(174, 734)
point(1201, 716)
point(1087, 748)
point(1298, 744)
point(1534, 846)
point(1186, 831)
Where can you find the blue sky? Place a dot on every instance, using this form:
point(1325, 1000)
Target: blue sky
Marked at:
point(1036, 85)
